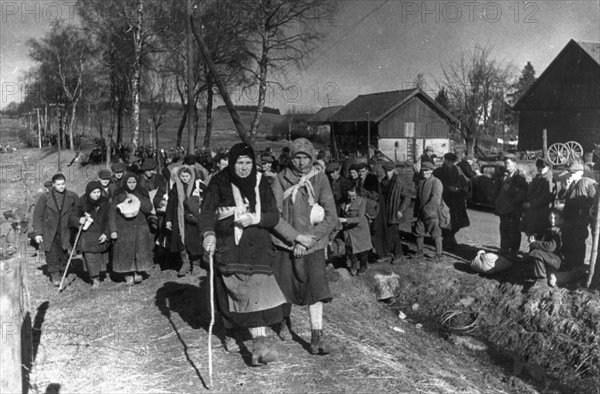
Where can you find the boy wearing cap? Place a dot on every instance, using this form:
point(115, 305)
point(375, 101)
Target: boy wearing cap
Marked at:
point(300, 242)
point(578, 193)
point(118, 170)
point(426, 211)
point(510, 196)
point(454, 195)
point(104, 178)
point(150, 179)
point(540, 196)
point(339, 184)
point(51, 225)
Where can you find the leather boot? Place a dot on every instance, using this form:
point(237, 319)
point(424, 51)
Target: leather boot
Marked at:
point(186, 264)
point(420, 246)
point(318, 344)
point(364, 263)
point(263, 352)
point(232, 339)
point(283, 331)
point(354, 266)
point(439, 252)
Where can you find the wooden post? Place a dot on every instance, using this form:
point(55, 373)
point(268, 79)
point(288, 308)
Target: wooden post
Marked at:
point(11, 318)
point(545, 143)
point(595, 237)
point(37, 110)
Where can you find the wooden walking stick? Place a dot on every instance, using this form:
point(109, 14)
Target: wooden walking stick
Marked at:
point(70, 258)
point(594, 256)
point(212, 317)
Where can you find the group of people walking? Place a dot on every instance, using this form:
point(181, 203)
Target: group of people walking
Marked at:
point(269, 230)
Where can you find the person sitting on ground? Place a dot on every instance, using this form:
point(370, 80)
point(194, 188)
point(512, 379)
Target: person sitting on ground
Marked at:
point(426, 212)
point(132, 240)
point(91, 214)
point(51, 225)
point(356, 231)
point(545, 250)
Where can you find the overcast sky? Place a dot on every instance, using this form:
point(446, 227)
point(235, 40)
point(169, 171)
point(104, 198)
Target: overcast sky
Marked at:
point(372, 46)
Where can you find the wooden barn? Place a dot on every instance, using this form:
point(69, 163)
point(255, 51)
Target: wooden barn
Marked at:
point(398, 123)
point(564, 100)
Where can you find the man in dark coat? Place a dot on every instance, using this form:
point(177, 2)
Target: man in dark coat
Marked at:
point(368, 188)
point(339, 184)
point(540, 196)
point(578, 193)
point(395, 198)
point(118, 170)
point(51, 225)
point(426, 211)
point(465, 164)
point(455, 196)
point(510, 196)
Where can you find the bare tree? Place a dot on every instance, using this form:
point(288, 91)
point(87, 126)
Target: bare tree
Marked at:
point(475, 84)
point(279, 34)
point(67, 55)
point(159, 92)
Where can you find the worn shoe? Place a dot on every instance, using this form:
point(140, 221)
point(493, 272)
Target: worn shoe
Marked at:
point(283, 332)
point(95, 283)
point(55, 279)
point(232, 341)
point(263, 352)
point(318, 344)
point(129, 280)
point(438, 258)
point(385, 260)
point(137, 278)
point(419, 255)
point(399, 260)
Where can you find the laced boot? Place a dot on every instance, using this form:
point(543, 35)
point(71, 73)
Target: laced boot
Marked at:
point(318, 345)
point(263, 352)
point(420, 246)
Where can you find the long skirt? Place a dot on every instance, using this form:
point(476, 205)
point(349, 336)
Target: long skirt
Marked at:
point(303, 281)
point(249, 300)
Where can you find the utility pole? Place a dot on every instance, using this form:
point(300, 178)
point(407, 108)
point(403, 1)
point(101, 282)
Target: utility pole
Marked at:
point(368, 136)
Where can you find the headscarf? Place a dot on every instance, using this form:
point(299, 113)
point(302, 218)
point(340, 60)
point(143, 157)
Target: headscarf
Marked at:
point(124, 185)
point(247, 184)
point(89, 188)
point(182, 195)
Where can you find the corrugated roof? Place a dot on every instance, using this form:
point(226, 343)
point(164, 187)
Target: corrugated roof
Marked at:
point(370, 106)
point(324, 113)
point(592, 48)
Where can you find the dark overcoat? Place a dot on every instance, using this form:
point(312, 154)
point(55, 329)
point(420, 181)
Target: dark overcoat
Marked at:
point(46, 218)
point(192, 241)
point(88, 240)
point(132, 251)
point(356, 230)
point(454, 195)
point(540, 196)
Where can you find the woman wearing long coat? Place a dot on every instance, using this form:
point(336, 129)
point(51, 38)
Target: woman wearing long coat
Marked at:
point(181, 221)
point(247, 292)
point(132, 248)
point(356, 231)
point(93, 207)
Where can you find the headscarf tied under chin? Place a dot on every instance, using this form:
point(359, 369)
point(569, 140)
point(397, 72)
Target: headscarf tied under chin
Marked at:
point(247, 184)
point(182, 195)
point(89, 188)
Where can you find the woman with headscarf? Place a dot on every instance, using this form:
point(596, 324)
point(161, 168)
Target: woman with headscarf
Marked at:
point(181, 221)
point(132, 248)
point(92, 208)
point(246, 290)
point(301, 237)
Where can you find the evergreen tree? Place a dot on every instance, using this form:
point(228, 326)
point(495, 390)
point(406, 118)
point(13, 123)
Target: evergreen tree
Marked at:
point(525, 81)
point(442, 98)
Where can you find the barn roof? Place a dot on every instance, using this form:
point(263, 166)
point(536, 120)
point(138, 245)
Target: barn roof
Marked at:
point(324, 113)
point(376, 106)
point(590, 48)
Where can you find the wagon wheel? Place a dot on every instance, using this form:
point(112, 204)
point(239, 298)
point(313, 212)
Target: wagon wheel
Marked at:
point(558, 153)
point(575, 149)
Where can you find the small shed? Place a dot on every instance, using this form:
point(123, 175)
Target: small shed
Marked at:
point(564, 100)
point(318, 122)
point(399, 123)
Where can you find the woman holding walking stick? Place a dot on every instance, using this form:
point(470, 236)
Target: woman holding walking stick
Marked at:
point(92, 213)
point(247, 293)
point(132, 248)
